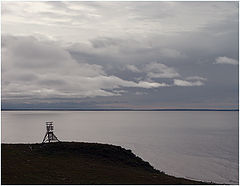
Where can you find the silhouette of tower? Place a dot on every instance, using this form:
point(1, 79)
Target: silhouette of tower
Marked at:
point(49, 136)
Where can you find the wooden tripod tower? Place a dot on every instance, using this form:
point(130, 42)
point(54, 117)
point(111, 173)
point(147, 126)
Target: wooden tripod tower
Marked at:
point(49, 136)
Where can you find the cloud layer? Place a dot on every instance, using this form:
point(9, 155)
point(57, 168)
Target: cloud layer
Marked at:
point(36, 69)
point(142, 54)
point(226, 60)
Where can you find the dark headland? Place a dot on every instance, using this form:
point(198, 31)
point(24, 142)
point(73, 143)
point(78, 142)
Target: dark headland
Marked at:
point(79, 163)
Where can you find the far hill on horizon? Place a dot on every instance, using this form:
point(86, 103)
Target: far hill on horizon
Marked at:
point(117, 109)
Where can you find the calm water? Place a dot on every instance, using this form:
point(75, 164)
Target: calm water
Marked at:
point(198, 145)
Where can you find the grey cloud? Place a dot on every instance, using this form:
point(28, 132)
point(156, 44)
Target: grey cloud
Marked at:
point(196, 78)
point(183, 83)
point(59, 76)
point(158, 70)
point(105, 42)
point(30, 53)
point(171, 53)
point(226, 60)
point(140, 93)
point(132, 68)
point(58, 5)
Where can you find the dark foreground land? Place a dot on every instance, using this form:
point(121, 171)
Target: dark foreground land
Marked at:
point(78, 163)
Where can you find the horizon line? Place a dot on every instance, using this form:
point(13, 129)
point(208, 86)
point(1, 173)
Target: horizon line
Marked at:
point(117, 109)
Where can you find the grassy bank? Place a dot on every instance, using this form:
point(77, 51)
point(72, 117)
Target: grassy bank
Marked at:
point(78, 163)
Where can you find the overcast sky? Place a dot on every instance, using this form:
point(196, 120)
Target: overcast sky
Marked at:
point(120, 54)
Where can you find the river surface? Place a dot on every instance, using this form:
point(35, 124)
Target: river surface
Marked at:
point(201, 145)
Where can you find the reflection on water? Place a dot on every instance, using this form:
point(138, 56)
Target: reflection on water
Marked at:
point(199, 145)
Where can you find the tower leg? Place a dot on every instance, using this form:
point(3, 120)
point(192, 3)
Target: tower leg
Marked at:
point(44, 138)
point(48, 137)
point(55, 137)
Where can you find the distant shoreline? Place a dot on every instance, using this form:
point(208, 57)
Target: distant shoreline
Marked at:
point(120, 110)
